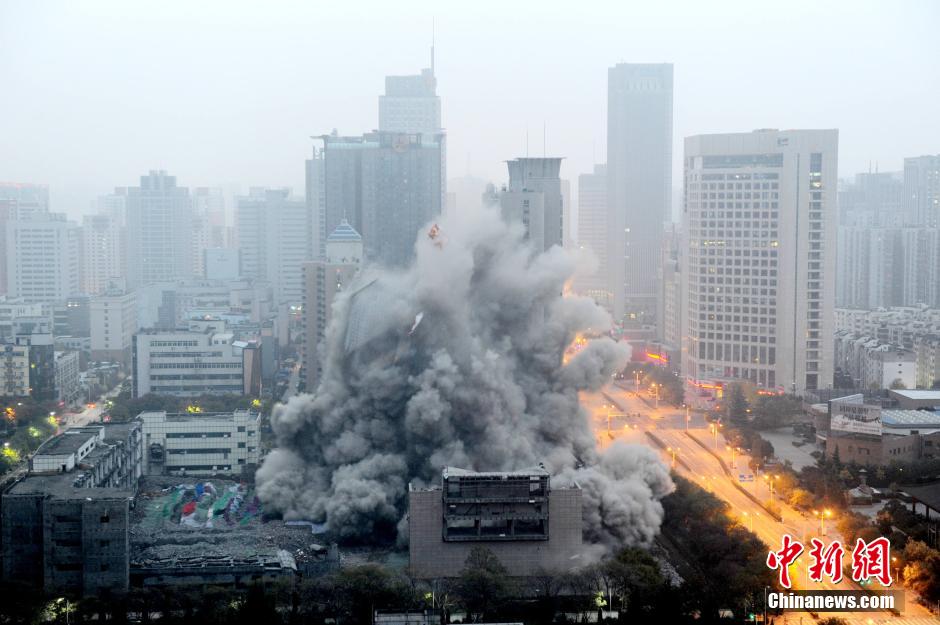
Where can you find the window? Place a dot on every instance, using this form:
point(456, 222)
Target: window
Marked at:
point(106, 518)
point(241, 445)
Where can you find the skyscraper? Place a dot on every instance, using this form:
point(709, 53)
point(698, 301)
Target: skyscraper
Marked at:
point(639, 184)
point(759, 264)
point(592, 232)
point(922, 190)
point(102, 253)
point(411, 103)
point(387, 185)
point(159, 231)
point(534, 199)
point(18, 201)
point(42, 253)
point(324, 278)
point(208, 227)
point(274, 240)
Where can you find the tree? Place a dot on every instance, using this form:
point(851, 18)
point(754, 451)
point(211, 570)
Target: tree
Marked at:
point(801, 498)
point(898, 384)
point(737, 405)
point(922, 571)
point(484, 583)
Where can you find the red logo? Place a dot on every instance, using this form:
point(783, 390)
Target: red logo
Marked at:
point(782, 559)
point(869, 560)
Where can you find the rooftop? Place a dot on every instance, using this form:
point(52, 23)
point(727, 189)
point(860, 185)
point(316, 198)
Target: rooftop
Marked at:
point(918, 394)
point(910, 418)
point(457, 472)
point(68, 442)
point(344, 232)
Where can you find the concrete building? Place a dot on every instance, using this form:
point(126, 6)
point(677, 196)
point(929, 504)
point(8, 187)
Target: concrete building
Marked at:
point(222, 264)
point(34, 335)
point(102, 253)
point(872, 200)
point(42, 254)
point(323, 280)
point(13, 308)
point(14, 370)
point(921, 272)
point(209, 229)
point(669, 306)
point(67, 372)
point(65, 526)
point(639, 185)
point(201, 444)
point(18, 201)
point(592, 233)
point(159, 231)
point(195, 361)
point(868, 434)
point(274, 239)
point(908, 399)
point(387, 185)
point(113, 320)
point(533, 198)
point(528, 525)
point(411, 104)
point(759, 272)
point(922, 190)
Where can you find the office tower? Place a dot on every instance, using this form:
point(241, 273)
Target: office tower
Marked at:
point(639, 184)
point(567, 219)
point(921, 270)
point(759, 270)
point(208, 227)
point(113, 322)
point(42, 254)
point(870, 267)
point(324, 278)
point(159, 231)
point(411, 104)
point(102, 253)
point(316, 199)
point(18, 201)
point(387, 185)
point(533, 198)
point(872, 199)
point(592, 232)
point(274, 240)
point(669, 321)
point(922, 190)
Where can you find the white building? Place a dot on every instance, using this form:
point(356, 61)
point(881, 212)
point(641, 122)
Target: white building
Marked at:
point(200, 444)
point(759, 268)
point(922, 190)
point(159, 231)
point(274, 239)
point(190, 363)
point(592, 232)
point(323, 280)
point(411, 103)
point(67, 372)
point(13, 308)
point(639, 185)
point(42, 255)
point(113, 319)
point(533, 198)
point(102, 253)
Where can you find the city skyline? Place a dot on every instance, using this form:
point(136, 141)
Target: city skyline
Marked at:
point(220, 135)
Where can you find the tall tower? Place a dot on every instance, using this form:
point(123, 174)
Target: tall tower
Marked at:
point(159, 231)
point(534, 198)
point(759, 261)
point(639, 185)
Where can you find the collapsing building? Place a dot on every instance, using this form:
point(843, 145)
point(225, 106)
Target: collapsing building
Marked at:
point(528, 525)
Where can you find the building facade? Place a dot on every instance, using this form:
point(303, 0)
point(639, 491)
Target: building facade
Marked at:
point(534, 199)
point(159, 231)
point(639, 184)
point(113, 320)
point(592, 233)
point(42, 255)
point(102, 253)
point(759, 274)
point(922, 190)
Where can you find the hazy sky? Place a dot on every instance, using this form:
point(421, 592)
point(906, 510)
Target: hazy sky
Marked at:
point(92, 94)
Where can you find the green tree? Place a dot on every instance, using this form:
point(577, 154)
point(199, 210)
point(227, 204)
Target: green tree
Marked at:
point(484, 583)
point(736, 407)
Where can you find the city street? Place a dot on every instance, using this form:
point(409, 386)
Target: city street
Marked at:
point(668, 424)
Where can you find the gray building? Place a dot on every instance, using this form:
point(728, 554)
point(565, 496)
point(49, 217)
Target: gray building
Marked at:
point(159, 230)
point(534, 199)
point(411, 104)
point(639, 184)
point(592, 232)
point(872, 199)
point(65, 525)
point(922, 190)
point(387, 185)
point(528, 525)
point(759, 270)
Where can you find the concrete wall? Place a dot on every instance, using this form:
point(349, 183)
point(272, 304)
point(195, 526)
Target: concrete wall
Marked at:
point(431, 557)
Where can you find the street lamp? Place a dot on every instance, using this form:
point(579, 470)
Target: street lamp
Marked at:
point(673, 452)
point(688, 417)
point(636, 373)
point(770, 484)
point(714, 430)
point(732, 450)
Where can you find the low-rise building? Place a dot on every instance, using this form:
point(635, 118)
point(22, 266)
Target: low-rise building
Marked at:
point(65, 525)
point(201, 444)
point(113, 319)
point(528, 525)
point(195, 361)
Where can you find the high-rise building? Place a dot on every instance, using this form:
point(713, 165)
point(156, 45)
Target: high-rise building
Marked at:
point(159, 231)
point(922, 190)
point(639, 185)
point(102, 260)
point(323, 280)
point(872, 199)
point(759, 270)
point(533, 198)
point(920, 275)
point(113, 321)
point(18, 201)
point(274, 239)
point(411, 104)
point(208, 225)
point(669, 319)
point(316, 199)
point(387, 185)
point(42, 254)
point(592, 232)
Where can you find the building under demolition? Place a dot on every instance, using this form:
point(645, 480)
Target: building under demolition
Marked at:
point(528, 525)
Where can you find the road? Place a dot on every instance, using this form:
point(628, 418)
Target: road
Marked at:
point(669, 425)
point(92, 412)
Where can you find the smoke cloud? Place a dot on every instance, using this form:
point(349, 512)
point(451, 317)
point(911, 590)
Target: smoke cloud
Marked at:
point(457, 361)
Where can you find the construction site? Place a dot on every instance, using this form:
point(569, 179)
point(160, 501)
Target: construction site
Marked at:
point(214, 531)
